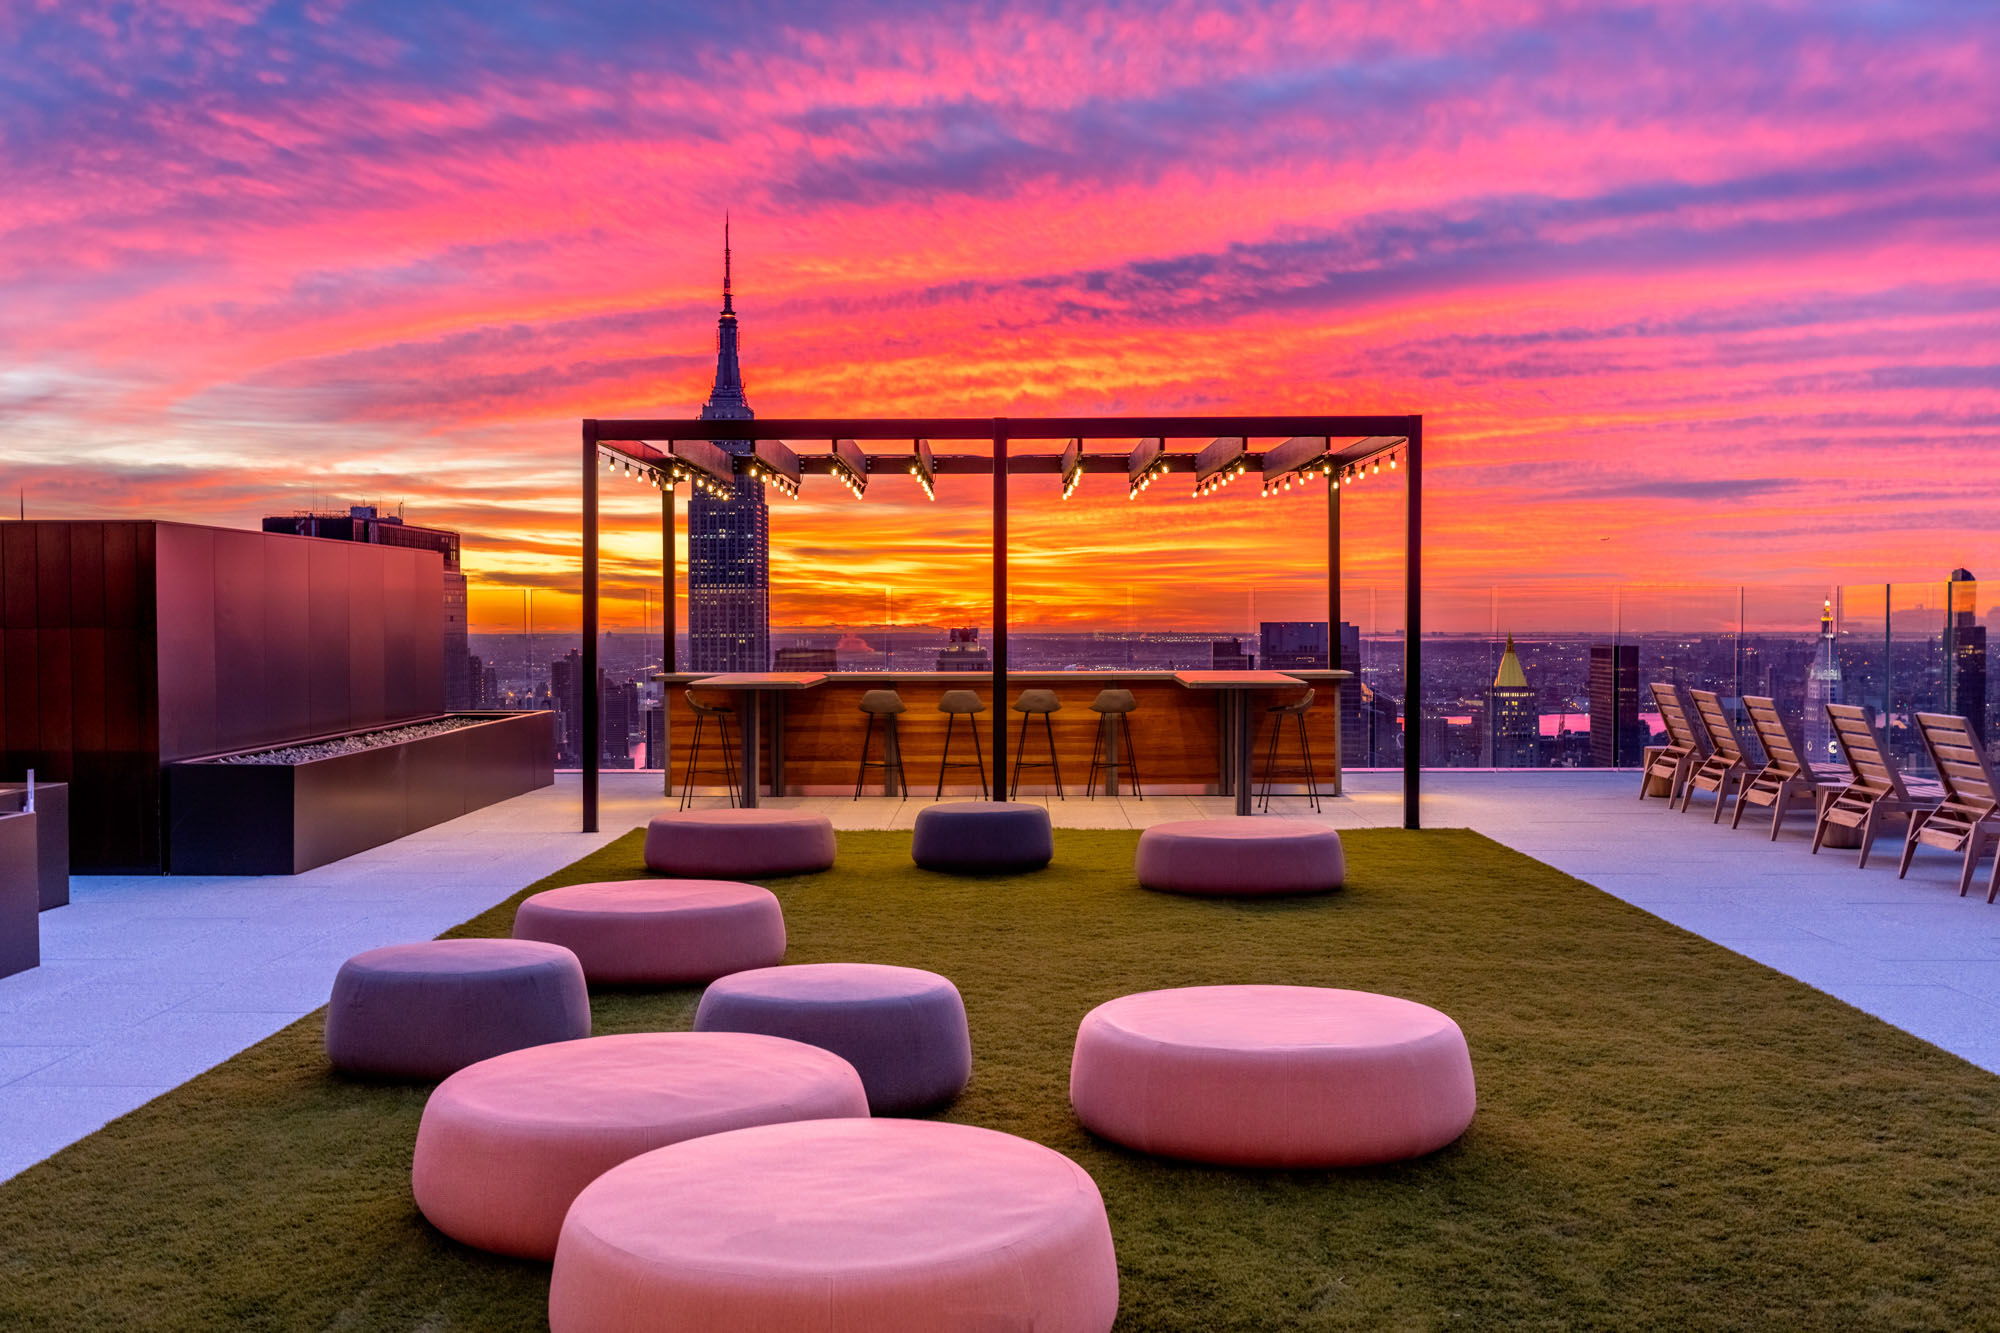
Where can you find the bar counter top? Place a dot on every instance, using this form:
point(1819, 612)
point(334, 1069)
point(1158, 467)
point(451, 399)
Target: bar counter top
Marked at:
point(972, 678)
point(814, 736)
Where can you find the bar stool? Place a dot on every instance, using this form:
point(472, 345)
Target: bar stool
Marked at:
point(1032, 703)
point(885, 704)
point(1296, 709)
point(1113, 709)
point(704, 713)
point(953, 705)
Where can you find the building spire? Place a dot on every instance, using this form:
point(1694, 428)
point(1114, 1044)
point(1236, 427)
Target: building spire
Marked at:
point(727, 400)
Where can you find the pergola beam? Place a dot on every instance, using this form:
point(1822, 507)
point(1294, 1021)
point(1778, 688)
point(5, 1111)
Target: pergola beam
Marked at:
point(1018, 428)
point(981, 465)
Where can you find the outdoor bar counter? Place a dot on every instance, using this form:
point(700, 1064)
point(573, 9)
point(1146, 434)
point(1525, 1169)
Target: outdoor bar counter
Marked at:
point(813, 736)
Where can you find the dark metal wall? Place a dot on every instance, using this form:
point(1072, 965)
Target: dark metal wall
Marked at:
point(123, 645)
point(266, 638)
point(78, 698)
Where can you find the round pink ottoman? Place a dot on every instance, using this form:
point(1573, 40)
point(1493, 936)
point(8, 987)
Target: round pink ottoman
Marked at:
point(658, 931)
point(839, 1226)
point(739, 844)
point(1272, 1075)
point(1240, 858)
point(505, 1145)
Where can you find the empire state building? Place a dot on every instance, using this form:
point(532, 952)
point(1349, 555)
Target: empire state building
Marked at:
point(729, 540)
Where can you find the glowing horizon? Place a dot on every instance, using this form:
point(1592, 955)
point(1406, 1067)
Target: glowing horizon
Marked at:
point(1696, 293)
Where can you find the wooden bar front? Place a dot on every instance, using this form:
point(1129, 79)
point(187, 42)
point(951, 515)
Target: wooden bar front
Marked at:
point(1174, 731)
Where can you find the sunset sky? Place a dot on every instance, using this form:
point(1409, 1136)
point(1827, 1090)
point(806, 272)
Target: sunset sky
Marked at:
point(1686, 292)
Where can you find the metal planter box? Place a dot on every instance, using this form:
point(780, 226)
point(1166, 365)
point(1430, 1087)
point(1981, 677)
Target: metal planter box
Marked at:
point(280, 819)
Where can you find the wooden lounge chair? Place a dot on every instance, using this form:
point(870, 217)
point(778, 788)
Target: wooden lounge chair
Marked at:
point(1876, 791)
point(1968, 819)
point(1726, 769)
point(1671, 763)
point(1786, 778)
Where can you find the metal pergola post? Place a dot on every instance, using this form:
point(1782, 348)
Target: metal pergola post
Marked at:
point(669, 630)
point(1333, 629)
point(999, 610)
point(587, 691)
point(1413, 629)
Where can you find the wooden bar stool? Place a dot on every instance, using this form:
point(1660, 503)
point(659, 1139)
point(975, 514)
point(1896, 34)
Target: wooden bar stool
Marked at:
point(885, 704)
point(1114, 709)
point(1036, 703)
point(954, 705)
point(704, 714)
point(1296, 709)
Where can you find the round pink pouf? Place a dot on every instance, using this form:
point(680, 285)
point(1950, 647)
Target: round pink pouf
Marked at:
point(1240, 858)
point(658, 931)
point(505, 1145)
point(739, 844)
point(839, 1226)
point(1272, 1076)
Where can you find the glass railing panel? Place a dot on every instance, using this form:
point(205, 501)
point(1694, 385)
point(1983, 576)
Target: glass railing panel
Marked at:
point(1914, 638)
point(1780, 631)
point(1687, 635)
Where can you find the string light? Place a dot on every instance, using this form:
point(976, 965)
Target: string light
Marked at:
point(1153, 470)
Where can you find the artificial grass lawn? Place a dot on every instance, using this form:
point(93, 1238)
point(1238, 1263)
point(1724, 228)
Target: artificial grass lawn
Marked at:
point(1669, 1135)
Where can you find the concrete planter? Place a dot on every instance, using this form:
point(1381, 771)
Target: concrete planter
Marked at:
point(280, 819)
point(51, 835)
point(20, 897)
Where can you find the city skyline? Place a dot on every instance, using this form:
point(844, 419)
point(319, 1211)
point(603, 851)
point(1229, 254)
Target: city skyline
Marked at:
point(1727, 296)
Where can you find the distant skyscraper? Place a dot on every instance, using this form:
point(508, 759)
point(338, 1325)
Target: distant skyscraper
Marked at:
point(964, 652)
point(1293, 645)
point(621, 721)
point(1965, 652)
point(806, 659)
point(566, 694)
point(618, 715)
point(729, 540)
point(1356, 743)
point(1823, 687)
point(1616, 738)
point(1228, 655)
point(1511, 736)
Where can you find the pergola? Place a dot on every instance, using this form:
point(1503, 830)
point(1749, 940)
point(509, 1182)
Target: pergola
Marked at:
point(1332, 450)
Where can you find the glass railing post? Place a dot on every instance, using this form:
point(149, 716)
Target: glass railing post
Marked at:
point(1888, 650)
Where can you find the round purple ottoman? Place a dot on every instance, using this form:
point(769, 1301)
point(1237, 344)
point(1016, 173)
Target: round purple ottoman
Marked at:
point(738, 844)
point(982, 837)
point(1240, 858)
point(658, 931)
point(1284, 1076)
point(425, 1010)
point(903, 1029)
